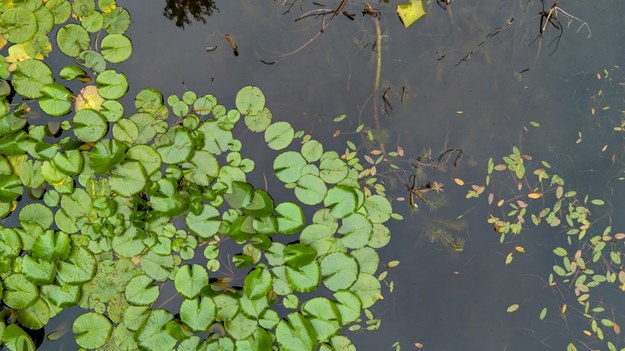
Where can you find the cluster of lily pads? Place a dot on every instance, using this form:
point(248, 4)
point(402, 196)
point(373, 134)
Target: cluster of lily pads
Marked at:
point(91, 194)
point(591, 257)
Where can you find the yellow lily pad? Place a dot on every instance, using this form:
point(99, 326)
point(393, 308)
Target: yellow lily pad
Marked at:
point(410, 12)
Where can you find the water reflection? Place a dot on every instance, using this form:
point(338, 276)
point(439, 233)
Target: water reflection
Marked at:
point(180, 10)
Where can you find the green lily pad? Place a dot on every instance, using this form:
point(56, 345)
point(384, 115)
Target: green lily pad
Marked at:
point(83, 7)
point(36, 213)
point(18, 24)
point(324, 317)
point(368, 288)
point(205, 224)
point(296, 333)
point(356, 231)
point(257, 283)
point(299, 255)
point(35, 316)
point(125, 130)
point(279, 135)
point(19, 292)
point(190, 279)
point(78, 268)
point(290, 218)
point(288, 166)
point(10, 188)
point(55, 100)
point(258, 122)
point(92, 330)
point(116, 48)
point(128, 178)
point(339, 271)
point(93, 22)
point(15, 338)
point(106, 154)
point(153, 334)
point(140, 291)
point(310, 189)
point(304, 279)
point(72, 39)
point(117, 21)
point(89, 125)
point(250, 100)
point(179, 150)
point(93, 60)
point(198, 313)
point(30, 77)
point(112, 85)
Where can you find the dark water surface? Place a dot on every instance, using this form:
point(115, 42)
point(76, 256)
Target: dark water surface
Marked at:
point(443, 299)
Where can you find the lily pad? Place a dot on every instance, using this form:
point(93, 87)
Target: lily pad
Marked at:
point(18, 24)
point(295, 333)
point(89, 125)
point(72, 39)
point(116, 48)
point(250, 100)
point(279, 135)
point(30, 77)
point(112, 85)
point(92, 330)
point(55, 100)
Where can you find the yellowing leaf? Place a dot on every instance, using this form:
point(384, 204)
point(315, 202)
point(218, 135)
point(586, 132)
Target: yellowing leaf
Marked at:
point(520, 249)
point(563, 310)
point(459, 181)
point(410, 12)
point(509, 258)
point(512, 308)
point(534, 195)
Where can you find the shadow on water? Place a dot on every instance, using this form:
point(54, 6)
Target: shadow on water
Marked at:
point(451, 83)
point(179, 11)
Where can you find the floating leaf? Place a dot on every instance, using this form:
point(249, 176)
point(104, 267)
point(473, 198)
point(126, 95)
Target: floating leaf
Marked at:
point(19, 292)
point(198, 314)
point(304, 279)
point(92, 330)
point(543, 313)
point(140, 290)
point(250, 100)
point(310, 189)
point(128, 178)
point(190, 279)
point(18, 24)
point(290, 218)
point(89, 125)
point(295, 333)
point(257, 283)
point(72, 39)
point(512, 308)
point(15, 338)
point(116, 48)
point(30, 77)
point(180, 148)
point(410, 12)
point(112, 85)
point(279, 135)
point(324, 317)
point(340, 271)
point(299, 255)
point(55, 100)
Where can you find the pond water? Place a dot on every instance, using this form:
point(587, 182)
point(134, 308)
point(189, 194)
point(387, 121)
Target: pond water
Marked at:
point(464, 89)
